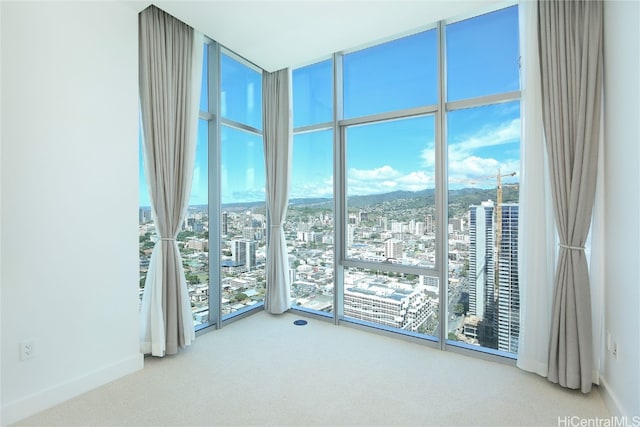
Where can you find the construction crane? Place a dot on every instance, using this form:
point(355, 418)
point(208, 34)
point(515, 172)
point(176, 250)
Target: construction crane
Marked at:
point(499, 216)
point(498, 211)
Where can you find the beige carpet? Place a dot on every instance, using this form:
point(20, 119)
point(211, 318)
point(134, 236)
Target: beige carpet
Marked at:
point(263, 370)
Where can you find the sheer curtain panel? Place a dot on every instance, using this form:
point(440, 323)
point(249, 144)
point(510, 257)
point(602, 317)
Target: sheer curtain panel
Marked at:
point(537, 242)
point(571, 64)
point(170, 66)
point(277, 152)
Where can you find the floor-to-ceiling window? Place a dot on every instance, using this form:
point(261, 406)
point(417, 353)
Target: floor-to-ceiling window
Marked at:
point(426, 141)
point(483, 162)
point(222, 239)
point(388, 187)
point(403, 210)
point(242, 186)
point(309, 227)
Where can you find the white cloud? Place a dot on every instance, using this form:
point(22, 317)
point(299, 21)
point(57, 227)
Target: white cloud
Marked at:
point(416, 181)
point(321, 188)
point(384, 172)
point(472, 166)
point(505, 133)
point(428, 156)
point(466, 167)
point(386, 179)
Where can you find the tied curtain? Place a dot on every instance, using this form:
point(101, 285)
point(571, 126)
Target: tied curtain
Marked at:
point(571, 71)
point(170, 65)
point(277, 152)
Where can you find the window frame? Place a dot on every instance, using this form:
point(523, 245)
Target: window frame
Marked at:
point(215, 122)
point(339, 125)
point(440, 111)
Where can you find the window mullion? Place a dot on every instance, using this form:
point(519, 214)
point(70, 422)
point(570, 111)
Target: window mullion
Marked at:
point(215, 296)
point(441, 190)
point(339, 186)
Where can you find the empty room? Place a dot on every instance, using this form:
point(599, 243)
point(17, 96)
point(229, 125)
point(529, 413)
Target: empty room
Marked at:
point(320, 212)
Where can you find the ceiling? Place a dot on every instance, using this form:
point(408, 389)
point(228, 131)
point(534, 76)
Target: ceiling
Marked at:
point(275, 34)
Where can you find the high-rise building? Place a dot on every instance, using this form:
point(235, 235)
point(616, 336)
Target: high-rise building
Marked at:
point(382, 221)
point(243, 252)
point(144, 215)
point(248, 233)
point(189, 223)
point(397, 227)
point(481, 259)
point(429, 224)
point(393, 249)
point(225, 223)
point(350, 234)
point(508, 286)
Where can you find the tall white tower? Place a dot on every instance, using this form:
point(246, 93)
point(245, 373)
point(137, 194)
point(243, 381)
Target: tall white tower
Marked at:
point(481, 258)
point(508, 286)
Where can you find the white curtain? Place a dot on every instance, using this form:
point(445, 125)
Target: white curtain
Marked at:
point(170, 68)
point(278, 134)
point(594, 249)
point(537, 242)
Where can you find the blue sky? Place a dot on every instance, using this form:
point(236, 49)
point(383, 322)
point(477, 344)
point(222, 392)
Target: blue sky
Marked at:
point(482, 59)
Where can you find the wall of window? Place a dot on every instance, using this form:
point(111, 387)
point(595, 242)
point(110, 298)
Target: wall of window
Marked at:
point(309, 227)
point(242, 187)
point(483, 163)
point(403, 210)
point(222, 240)
point(424, 133)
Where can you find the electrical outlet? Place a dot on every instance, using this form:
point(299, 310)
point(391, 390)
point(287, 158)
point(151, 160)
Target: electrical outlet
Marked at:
point(614, 350)
point(26, 350)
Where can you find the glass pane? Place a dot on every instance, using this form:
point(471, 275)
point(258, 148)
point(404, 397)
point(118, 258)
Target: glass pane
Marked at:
point(241, 92)
point(193, 239)
point(392, 76)
point(396, 300)
point(146, 227)
point(484, 175)
point(243, 220)
point(313, 94)
point(204, 88)
point(310, 219)
point(483, 55)
point(391, 192)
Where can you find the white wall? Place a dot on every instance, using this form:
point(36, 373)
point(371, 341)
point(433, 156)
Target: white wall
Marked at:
point(69, 167)
point(621, 377)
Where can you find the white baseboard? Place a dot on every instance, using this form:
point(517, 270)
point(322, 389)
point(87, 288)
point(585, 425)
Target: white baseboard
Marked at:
point(30, 405)
point(610, 399)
